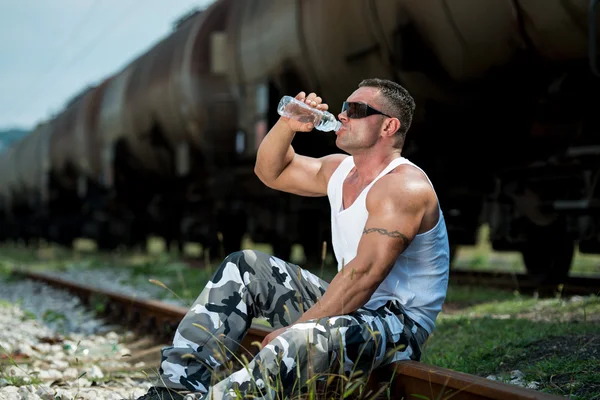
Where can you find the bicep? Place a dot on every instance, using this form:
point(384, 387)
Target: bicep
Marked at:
point(392, 224)
point(308, 176)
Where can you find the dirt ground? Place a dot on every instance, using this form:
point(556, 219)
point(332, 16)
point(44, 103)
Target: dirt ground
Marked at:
point(586, 348)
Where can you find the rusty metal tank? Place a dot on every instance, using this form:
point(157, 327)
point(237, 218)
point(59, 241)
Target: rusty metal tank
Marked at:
point(3, 179)
point(87, 142)
point(31, 164)
point(111, 123)
point(325, 46)
point(432, 47)
point(6, 169)
point(17, 178)
point(470, 39)
point(63, 145)
point(558, 29)
point(173, 93)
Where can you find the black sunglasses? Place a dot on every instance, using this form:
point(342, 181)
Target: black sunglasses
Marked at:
point(359, 110)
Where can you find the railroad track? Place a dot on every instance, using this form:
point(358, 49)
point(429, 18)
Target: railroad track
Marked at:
point(407, 379)
point(574, 285)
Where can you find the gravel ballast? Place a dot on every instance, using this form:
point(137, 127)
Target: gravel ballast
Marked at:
point(52, 347)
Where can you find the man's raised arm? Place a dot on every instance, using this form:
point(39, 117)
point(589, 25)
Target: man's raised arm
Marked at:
point(279, 167)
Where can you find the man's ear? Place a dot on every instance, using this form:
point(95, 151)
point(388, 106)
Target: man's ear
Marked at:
point(391, 126)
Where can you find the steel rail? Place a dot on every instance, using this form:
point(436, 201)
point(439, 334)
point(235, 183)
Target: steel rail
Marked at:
point(406, 379)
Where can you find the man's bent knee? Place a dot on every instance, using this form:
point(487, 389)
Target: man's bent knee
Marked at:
point(295, 344)
point(249, 260)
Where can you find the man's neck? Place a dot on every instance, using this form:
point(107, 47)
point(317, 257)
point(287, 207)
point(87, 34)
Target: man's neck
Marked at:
point(369, 165)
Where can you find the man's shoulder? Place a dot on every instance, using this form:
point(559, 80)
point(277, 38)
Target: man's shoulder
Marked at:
point(335, 159)
point(330, 163)
point(404, 182)
point(407, 176)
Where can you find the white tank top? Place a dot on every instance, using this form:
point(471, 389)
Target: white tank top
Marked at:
point(419, 278)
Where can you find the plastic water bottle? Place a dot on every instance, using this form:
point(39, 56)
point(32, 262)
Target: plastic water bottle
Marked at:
point(302, 112)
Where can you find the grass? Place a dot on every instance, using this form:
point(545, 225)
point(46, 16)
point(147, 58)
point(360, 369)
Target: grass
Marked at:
point(554, 343)
point(135, 269)
point(12, 380)
point(479, 257)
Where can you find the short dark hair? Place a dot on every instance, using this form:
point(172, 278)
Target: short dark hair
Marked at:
point(397, 101)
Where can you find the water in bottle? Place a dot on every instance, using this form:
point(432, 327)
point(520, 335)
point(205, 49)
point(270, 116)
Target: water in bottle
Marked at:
point(302, 112)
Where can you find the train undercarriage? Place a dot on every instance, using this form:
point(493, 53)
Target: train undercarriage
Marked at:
point(544, 211)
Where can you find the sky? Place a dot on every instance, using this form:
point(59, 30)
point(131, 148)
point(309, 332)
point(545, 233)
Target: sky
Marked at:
point(50, 50)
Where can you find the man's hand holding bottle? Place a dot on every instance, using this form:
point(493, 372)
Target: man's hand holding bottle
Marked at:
point(304, 116)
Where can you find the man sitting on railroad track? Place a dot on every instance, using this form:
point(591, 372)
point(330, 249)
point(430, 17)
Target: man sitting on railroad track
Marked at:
point(390, 241)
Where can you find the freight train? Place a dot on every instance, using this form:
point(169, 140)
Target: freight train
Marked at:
point(506, 126)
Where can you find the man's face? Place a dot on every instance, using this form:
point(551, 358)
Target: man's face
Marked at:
point(360, 134)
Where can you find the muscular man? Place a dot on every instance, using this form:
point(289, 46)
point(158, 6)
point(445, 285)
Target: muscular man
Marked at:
point(390, 242)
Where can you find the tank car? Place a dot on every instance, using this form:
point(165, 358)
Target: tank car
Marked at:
point(167, 126)
point(504, 126)
point(504, 123)
point(21, 181)
point(5, 215)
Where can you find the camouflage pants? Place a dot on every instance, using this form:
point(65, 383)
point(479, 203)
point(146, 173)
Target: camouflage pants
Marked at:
point(251, 284)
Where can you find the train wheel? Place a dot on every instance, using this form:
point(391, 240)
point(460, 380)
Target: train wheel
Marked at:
point(107, 243)
point(282, 249)
point(548, 254)
point(107, 240)
point(232, 241)
point(214, 250)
